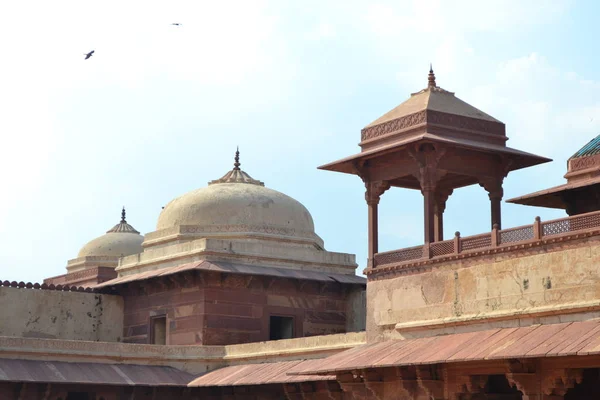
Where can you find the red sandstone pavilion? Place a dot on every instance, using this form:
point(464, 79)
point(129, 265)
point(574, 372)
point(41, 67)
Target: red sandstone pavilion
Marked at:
point(235, 297)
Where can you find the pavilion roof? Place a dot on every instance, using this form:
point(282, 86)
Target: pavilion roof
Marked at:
point(583, 174)
point(590, 149)
point(553, 197)
point(435, 116)
point(522, 159)
point(434, 99)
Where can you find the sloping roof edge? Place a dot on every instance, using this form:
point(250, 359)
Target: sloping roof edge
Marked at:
point(219, 266)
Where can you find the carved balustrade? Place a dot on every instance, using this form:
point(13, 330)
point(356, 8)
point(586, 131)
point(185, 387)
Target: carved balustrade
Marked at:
point(538, 232)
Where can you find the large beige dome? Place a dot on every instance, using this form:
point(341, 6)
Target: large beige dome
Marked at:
point(237, 203)
point(120, 241)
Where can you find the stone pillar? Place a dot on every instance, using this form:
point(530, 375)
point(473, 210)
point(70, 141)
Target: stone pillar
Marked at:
point(495, 192)
point(427, 157)
point(428, 214)
point(372, 195)
point(441, 197)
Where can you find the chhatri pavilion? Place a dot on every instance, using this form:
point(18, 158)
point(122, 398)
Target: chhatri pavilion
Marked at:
point(234, 296)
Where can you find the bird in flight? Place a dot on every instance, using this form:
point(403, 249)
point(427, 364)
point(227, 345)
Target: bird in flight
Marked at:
point(88, 55)
point(176, 24)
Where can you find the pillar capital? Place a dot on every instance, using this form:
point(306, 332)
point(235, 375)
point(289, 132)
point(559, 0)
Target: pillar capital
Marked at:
point(374, 191)
point(493, 186)
point(427, 157)
point(440, 198)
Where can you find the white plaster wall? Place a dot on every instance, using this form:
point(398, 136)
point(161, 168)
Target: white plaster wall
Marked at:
point(54, 314)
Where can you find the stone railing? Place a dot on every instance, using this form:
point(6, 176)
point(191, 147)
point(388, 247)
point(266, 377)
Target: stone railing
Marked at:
point(495, 239)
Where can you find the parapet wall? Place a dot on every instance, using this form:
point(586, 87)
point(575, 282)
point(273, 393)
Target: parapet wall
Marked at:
point(38, 313)
point(192, 359)
point(553, 282)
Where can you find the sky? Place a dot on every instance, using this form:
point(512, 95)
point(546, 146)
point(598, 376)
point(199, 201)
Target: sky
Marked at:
point(159, 109)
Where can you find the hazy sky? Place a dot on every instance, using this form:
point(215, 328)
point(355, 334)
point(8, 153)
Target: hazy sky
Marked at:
point(158, 110)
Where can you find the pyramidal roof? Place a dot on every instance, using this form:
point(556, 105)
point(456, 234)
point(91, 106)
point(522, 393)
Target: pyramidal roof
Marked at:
point(590, 149)
point(433, 98)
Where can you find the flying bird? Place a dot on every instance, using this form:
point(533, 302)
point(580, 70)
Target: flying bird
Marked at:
point(88, 55)
point(176, 24)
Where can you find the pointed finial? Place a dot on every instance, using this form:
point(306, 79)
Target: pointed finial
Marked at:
point(431, 77)
point(123, 221)
point(236, 164)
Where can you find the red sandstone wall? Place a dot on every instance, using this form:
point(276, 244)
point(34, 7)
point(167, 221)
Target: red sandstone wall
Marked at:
point(220, 309)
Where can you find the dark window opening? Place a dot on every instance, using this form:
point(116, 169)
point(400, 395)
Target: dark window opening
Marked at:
point(78, 396)
point(281, 328)
point(158, 333)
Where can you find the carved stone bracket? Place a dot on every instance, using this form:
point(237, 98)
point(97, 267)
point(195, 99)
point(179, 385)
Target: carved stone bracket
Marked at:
point(558, 382)
point(440, 198)
point(299, 391)
point(375, 190)
point(428, 157)
point(422, 382)
point(470, 384)
point(493, 186)
point(353, 385)
point(430, 384)
point(527, 383)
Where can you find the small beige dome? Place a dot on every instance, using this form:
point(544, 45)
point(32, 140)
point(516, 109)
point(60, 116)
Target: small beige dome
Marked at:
point(237, 203)
point(122, 240)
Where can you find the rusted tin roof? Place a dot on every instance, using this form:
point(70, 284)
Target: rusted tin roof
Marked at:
point(567, 339)
point(590, 149)
point(88, 373)
point(259, 374)
point(219, 266)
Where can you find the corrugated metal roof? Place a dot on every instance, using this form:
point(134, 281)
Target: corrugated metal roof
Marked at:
point(259, 374)
point(238, 269)
point(590, 149)
point(574, 338)
point(89, 373)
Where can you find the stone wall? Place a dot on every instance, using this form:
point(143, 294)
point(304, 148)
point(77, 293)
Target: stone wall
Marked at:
point(541, 284)
point(192, 359)
point(54, 314)
point(356, 310)
point(220, 309)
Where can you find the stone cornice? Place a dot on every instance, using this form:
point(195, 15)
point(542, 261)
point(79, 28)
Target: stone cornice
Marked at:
point(238, 251)
point(429, 117)
point(474, 319)
point(183, 232)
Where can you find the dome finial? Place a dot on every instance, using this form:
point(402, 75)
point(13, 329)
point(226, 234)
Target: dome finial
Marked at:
point(431, 77)
point(123, 221)
point(236, 164)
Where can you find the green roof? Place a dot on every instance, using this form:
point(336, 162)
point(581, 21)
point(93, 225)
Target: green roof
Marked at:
point(590, 149)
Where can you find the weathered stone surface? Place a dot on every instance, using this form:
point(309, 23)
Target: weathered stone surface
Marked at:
point(55, 314)
point(518, 287)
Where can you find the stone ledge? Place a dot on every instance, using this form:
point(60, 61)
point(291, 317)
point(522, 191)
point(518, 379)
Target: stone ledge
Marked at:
point(194, 358)
point(473, 319)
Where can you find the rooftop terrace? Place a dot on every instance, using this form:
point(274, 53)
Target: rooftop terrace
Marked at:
point(496, 241)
